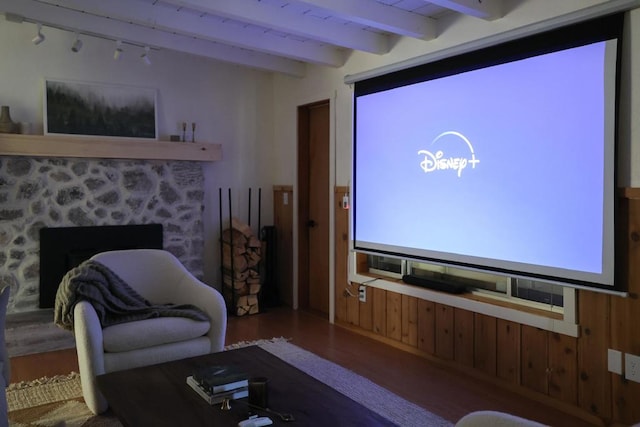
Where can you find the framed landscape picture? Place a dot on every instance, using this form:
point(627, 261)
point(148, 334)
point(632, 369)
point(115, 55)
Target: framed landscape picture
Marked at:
point(95, 109)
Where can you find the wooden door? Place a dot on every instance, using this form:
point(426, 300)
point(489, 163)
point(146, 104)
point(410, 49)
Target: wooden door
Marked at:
point(313, 181)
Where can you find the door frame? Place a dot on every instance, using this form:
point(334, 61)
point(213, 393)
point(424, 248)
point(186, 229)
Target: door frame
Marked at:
point(301, 292)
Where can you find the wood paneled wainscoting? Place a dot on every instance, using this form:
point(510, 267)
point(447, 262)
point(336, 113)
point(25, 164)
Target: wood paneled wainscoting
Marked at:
point(569, 373)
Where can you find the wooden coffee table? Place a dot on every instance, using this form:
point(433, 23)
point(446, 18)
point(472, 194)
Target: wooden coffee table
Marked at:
point(158, 395)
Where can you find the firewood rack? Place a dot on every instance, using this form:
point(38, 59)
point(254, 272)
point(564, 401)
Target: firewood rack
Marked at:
point(229, 275)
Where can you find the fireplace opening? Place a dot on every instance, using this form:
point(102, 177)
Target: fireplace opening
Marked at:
point(63, 248)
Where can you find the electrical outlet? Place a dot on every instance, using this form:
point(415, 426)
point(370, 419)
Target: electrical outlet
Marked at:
point(614, 361)
point(362, 293)
point(632, 367)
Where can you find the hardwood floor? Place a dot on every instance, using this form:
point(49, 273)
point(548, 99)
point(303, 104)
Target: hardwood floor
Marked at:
point(441, 390)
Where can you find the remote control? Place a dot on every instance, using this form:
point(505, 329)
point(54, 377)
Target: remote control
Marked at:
point(255, 422)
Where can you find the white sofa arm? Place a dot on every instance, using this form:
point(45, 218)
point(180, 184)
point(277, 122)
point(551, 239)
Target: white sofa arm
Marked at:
point(5, 362)
point(88, 334)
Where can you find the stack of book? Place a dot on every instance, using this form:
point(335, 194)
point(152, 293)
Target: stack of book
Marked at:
point(218, 383)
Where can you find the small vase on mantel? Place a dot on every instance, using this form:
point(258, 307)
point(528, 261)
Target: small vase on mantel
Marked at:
point(6, 124)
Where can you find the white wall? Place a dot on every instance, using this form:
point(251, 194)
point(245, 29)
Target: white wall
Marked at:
point(629, 155)
point(231, 105)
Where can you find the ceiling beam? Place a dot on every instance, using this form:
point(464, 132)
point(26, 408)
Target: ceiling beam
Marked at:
point(173, 20)
point(85, 23)
point(484, 9)
point(380, 16)
point(266, 15)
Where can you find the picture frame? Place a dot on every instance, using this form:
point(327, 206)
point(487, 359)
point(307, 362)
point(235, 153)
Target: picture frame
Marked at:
point(99, 109)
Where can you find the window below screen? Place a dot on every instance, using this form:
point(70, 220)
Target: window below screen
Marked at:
point(524, 292)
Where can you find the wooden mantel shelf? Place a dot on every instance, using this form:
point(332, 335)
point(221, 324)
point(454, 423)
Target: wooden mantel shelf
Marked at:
point(106, 148)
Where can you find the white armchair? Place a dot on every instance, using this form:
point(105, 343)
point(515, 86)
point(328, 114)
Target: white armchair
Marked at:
point(160, 278)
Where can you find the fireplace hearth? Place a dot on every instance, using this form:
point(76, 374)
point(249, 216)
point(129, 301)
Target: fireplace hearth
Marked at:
point(63, 248)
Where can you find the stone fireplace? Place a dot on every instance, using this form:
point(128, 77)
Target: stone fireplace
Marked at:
point(38, 192)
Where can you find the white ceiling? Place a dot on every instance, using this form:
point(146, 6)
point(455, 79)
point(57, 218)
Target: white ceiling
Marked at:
point(273, 35)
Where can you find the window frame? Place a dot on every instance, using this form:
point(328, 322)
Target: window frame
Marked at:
point(484, 302)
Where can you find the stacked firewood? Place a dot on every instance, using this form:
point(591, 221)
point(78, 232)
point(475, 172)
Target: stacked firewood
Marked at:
point(241, 275)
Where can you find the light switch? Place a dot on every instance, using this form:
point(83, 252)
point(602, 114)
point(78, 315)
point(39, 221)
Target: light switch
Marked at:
point(615, 361)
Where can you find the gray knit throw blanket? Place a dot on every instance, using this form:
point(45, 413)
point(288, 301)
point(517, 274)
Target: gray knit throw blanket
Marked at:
point(113, 299)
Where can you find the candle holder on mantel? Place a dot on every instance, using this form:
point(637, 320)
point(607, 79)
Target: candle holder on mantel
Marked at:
point(6, 124)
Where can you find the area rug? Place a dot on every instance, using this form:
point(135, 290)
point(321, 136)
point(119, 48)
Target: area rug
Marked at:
point(58, 401)
point(55, 401)
point(34, 332)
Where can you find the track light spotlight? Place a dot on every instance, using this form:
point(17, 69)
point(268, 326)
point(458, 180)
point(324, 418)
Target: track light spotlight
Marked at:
point(118, 52)
point(145, 56)
point(39, 38)
point(77, 45)
point(14, 17)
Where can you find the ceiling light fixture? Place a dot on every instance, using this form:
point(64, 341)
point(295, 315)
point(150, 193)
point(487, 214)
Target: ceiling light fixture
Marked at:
point(39, 38)
point(145, 56)
point(118, 52)
point(77, 45)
